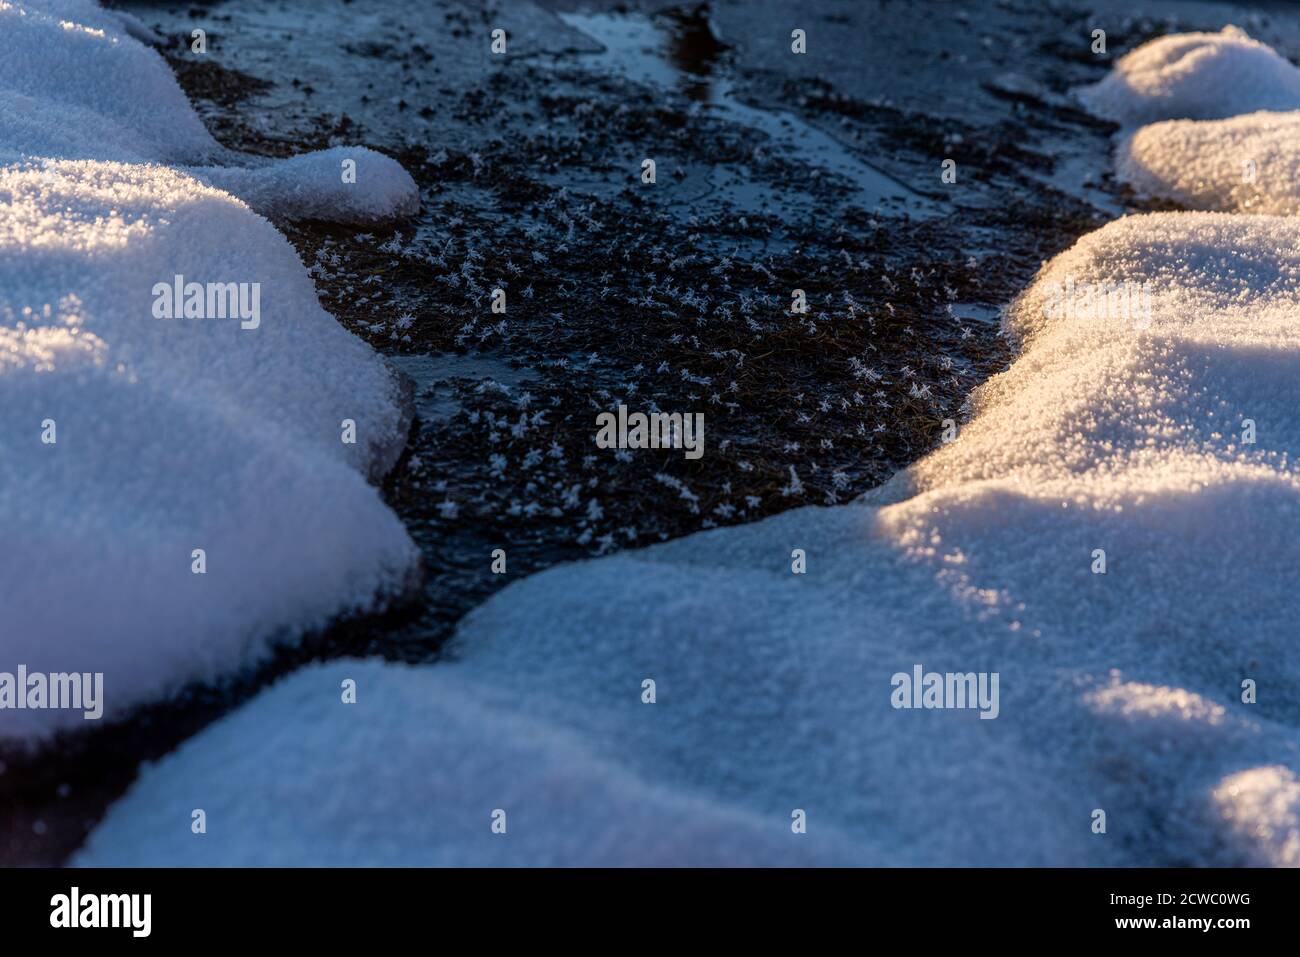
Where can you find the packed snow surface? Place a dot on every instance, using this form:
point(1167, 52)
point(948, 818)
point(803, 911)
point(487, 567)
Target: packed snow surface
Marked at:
point(1114, 430)
point(129, 441)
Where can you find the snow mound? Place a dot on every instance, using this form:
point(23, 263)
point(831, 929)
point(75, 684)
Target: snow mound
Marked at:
point(418, 767)
point(1120, 692)
point(131, 440)
point(75, 84)
point(1245, 164)
point(172, 435)
point(1263, 806)
point(1198, 76)
point(313, 186)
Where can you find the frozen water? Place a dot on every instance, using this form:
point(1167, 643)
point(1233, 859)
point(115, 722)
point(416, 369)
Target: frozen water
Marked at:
point(636, 48)
point(434, 377)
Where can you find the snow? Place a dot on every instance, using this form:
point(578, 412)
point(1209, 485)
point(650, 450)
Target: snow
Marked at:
point(1149, 414)
point(1244, 164)
point(1197, 76)
point(171, 434)
point(416, 768)
point(77, 86)
point(1263, 806)
point(312, 186)
point(1228, 122)
point(74, 85)
point(1119, 692)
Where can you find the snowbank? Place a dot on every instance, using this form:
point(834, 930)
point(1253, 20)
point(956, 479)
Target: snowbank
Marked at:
point(1245, 164)
point(1120, 692)
point(75, 85)
point(1203, 155)
point(312, 186)
point(412, 776)
point(1198, 76)
point(131, 440)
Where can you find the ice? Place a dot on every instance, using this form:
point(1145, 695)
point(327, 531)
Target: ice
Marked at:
point(1120, 692)
point(1197, 76)
point(170, 435)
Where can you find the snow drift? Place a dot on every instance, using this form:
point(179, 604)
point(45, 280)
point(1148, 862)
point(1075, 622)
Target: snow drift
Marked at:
point(1197, 76)
point(74, 85)
point(1121, 692)
point(412, 776)
point(1224, 142)
point(1244, 164)
point(130, 441)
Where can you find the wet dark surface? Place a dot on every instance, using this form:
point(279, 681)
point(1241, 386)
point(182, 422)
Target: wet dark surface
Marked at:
point(774, 172)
